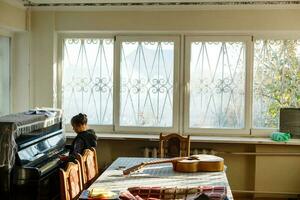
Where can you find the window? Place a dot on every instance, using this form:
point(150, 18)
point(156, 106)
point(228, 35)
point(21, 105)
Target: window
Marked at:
point(136, 92)
point(4, 75)
point(88, 79)
point(217, 83)
point(276, 80)
point(225, 84)
point(147, 77)
point(148, 71)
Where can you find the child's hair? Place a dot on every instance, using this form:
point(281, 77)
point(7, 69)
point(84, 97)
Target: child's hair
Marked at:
point(79, 119)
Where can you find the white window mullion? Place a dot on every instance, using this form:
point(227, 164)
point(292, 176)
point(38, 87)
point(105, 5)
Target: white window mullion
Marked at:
point(249, 88)
point(116, 106)
point(181, 85)
point(59, 71)
point(186, 112)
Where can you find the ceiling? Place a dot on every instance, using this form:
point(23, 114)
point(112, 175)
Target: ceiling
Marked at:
point(155, 3)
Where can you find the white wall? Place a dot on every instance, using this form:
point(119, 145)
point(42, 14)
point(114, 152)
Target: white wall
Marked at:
point(201, 20)
point(42, 58)
point(13, 24)
point(45, 25)
point(11, 17)
point(21, 72)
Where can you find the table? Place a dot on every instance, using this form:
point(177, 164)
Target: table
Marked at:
point(155, 175)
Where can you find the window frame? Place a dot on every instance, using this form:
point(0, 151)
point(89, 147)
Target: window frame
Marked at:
point(248, 86)
point(59, 75)
point(147, 130)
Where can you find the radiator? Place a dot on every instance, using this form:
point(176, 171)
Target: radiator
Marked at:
point(150, 152)
point(196, 151)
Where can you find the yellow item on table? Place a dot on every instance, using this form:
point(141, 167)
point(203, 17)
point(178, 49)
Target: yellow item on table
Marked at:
point(102, 193)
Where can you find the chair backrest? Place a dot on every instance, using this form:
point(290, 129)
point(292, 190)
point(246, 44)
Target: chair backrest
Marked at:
point(89, 166)
point(173, 145)
point(70, 181)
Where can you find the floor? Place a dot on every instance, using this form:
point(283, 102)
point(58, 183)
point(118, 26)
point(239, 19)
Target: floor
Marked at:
point(250, 197)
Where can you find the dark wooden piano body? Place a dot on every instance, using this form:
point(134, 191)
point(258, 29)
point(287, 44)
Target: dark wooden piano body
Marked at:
point(34, 174)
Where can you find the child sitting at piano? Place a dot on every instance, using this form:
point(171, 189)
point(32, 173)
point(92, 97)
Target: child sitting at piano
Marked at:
point(85, 139)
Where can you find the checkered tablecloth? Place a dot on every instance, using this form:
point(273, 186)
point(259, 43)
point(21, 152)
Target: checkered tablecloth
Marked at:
point(161, 175)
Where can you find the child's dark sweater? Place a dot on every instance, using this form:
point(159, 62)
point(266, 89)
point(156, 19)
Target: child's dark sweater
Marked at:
point(82, 141)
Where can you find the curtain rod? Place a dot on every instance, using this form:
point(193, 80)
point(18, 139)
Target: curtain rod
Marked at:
point(165, 3)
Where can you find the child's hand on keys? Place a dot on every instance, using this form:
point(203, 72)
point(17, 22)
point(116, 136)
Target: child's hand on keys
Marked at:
point(63, 157)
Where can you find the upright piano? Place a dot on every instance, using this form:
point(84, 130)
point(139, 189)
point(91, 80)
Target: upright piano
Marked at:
point(30, 146)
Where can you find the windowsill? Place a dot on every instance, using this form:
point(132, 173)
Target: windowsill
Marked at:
point(205, 139)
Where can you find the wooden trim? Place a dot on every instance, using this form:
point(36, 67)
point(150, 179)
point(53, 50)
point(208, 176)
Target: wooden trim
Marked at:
point(260, 153)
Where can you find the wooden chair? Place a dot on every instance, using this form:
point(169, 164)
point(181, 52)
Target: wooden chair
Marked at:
point(173, 145)
point(70, 181)
point(89, 166)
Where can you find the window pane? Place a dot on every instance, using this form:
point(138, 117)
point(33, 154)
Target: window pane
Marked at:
point(276, 80)
point(217, 85)
point(4, 75)
point(88, 79)
point(146, 92)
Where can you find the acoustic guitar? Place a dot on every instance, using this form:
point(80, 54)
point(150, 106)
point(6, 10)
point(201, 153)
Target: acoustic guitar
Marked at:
point(194, 163)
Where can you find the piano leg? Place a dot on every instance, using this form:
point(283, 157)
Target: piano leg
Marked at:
point(5, 183)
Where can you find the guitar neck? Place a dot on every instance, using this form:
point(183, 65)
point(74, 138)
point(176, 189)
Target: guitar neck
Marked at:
point(141, 165)
point(164, 161)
